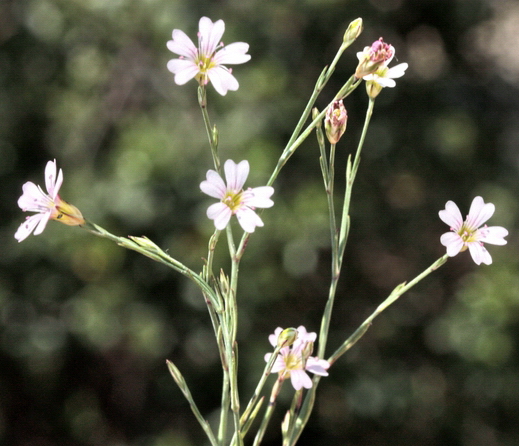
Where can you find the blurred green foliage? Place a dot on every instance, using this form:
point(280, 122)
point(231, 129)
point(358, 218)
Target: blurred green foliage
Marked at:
point(85, 327)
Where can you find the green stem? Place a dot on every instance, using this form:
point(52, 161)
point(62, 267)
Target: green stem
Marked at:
point(269, 411)
point(297, 139)
point(339, 240)
point(146, 247)
point(396, 293)
point(212, 132)
point(339, 243)
point(181, 382)
point(259, 388)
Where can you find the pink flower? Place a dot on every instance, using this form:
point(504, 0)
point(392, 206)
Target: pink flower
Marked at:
point(48, 206)
point(373, 57)
point(205, 63)
point(468, 234)
point(295, 361)
point(233, 199)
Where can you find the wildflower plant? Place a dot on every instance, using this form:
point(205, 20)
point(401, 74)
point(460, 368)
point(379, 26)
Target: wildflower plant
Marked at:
point(298, 355)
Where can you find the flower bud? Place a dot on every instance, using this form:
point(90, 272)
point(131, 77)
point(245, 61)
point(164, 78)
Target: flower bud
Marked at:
point(335, 121)
point(353, 31)
point(307, 350)
point(372, 58)
point(287, 337)
point(224, 283)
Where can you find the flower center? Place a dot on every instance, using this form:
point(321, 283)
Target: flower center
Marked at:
point(293, 362)
point(468, 235)
point(233, 200)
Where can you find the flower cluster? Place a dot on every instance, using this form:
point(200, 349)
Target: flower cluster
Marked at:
point(468, 234)
point(295, 360)
point(48, 206)
point(373, 67)
point(233, 199)
point(206, 63)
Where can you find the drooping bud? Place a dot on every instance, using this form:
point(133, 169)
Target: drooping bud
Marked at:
point(287, 337)
point(372, 58)
point(353, 31)
point(335, 121)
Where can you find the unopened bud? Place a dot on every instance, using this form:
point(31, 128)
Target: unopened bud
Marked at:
point(287, 337)
point(145, 242)
point(307, 350)
point(315, 114)
point(224, 283)
point(353, 31)
point(372, 58)
point(335, 121)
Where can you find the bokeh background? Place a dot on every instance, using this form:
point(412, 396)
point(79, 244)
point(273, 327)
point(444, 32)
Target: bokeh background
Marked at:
point(85, 326)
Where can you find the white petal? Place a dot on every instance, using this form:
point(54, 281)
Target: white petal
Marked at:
point(494, 235)
point(452, 242)
point(210, 34)
point(183, 69)
point(479, 213)
point(214, 186)
point(248, 219)
point(182, 45)
point(300, 379)
point(258, 197)
point(317, 366)
point(236, 174)
point(452, 216)
point(385, 81)
point(52, 182)
point(479, 253)
point(43, 220)
point(397, 71)
point(222, 80)
point(233, 54)
point(220, 213)
point(33, 198)
point(26, 228)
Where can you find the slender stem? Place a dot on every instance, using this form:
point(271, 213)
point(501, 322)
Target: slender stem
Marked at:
point(339, 244)
point(396, 293)
point(259, 387)
point(149, 249)
point(297, 139)
point(232, 328)
point(181, 382)
point(212, 133)
point(338, 247)
point(269, 411)
point(291, 417)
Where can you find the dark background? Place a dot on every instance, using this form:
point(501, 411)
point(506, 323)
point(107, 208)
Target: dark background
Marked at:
point(85, 326)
